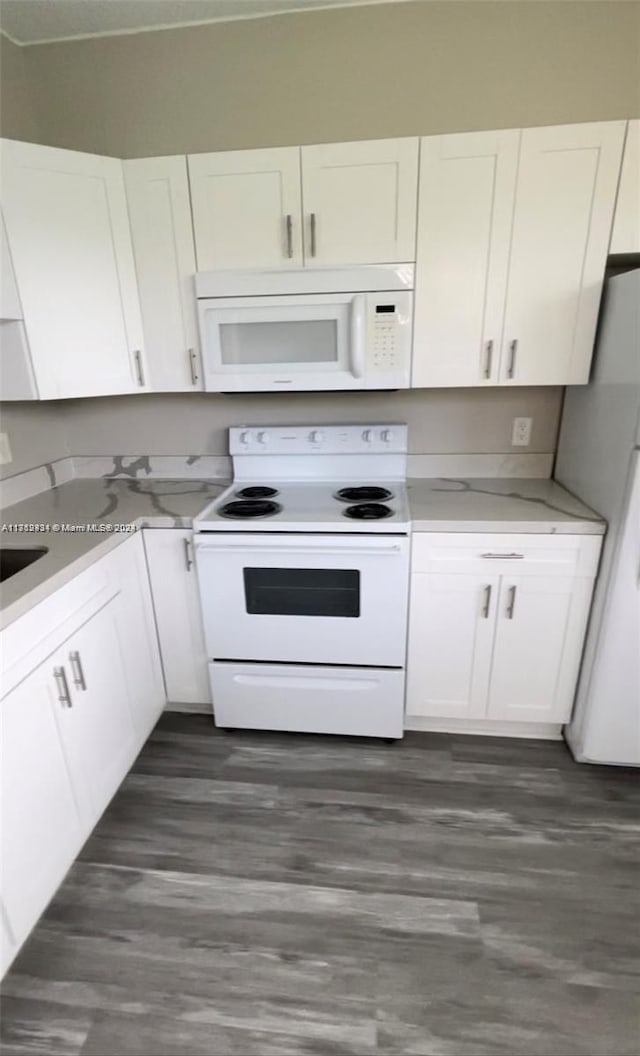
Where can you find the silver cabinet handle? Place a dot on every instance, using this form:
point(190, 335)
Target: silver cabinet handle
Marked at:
point(312, 228)
point(76, 670)
point(137, 355)
point(511, 604)
point(489, 356)
point(513, 348)
point(502, 557)
point(193, 365)
point(289, 229)
point(487, 602)
point(61, 685)
point(187, 555)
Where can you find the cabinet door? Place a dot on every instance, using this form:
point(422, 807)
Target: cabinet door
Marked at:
point(162, 232)
point(465, 207)
point(565, 195)
point(176, 601)
point(247, 208)
point(68, 229)
point(98, 732)
point(625, 237)
point(137, 634)
point(41, 823)
point(533, 634)
point(360, 202)
point(451, 625)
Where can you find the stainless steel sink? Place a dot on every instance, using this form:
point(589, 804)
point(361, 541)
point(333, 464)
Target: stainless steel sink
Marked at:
point(14, 558)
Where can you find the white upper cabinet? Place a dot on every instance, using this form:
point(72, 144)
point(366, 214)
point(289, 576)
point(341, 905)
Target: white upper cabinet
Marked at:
point(161, 229)
point(359, 202)
point(348, 203)
point(626, 224)
point(247, 208)
point(68, 231)
point(565, 196)
point(512, 245)
point(467, 186)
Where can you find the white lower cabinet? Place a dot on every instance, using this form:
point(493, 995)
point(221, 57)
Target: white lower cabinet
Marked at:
point(42, 827)
point(487, 643)
point(176, 603)
point(532, 622)
point(79, 702)
point(96, 725)
point(450, 635)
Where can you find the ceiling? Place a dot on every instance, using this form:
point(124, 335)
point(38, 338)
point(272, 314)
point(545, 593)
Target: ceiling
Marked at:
point(37, 21)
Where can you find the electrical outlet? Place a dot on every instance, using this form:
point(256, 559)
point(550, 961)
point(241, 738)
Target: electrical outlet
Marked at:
point(5, 450)
point(521, 434)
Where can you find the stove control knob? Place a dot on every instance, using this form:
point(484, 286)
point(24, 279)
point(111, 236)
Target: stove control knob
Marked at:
point(245, 438)
point(386, 436)
point(262, 438)
point(317, 436)
point(367, 436)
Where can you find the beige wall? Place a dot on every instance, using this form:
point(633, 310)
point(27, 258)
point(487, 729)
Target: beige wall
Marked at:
point(17, 118)
point(440, 421)
point(37, 434)
point(353, 73)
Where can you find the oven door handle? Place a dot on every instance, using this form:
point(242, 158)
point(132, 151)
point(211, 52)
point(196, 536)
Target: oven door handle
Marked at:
point(386, 551)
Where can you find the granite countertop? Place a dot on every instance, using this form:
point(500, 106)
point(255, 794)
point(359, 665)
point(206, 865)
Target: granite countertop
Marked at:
point(437, 505)
point(150, 503)
point(499, 505)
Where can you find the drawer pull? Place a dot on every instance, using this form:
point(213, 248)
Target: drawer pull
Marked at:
point(503, 557)
point(63, 689)
point(77, 671)
point(487, 602)
point(511, 604)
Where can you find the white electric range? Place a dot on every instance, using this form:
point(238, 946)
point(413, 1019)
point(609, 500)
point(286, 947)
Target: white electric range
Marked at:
point(303, 565)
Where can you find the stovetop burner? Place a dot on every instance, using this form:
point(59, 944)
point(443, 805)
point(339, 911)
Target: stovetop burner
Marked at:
point(258, 491)
point(366, 493)
point(368, 511)
point(250, 508)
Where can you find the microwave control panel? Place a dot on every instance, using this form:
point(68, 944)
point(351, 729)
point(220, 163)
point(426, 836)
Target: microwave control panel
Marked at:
point(389, 332)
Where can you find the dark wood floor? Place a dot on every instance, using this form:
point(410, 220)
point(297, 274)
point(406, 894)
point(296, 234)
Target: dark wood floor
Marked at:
point(258, 893)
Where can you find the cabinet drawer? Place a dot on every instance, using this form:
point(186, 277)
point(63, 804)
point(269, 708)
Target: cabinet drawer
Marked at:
point(502, 554)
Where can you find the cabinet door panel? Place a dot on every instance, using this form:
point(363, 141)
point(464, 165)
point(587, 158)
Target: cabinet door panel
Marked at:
point(137, 636)
point(467, 187)
point(566, 190)
point(362, 197)
point(625, 237)
point(532, 635)
point(98, 732)
point(241, 201)
point(66, 218)
point(41, 825)
point(451, 626)
point(176, 601)
point(162, 232)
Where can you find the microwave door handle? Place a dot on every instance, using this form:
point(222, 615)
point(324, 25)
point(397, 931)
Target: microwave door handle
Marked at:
point(358, 335)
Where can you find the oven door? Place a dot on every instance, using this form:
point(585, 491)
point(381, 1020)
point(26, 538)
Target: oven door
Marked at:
point(317, 599)
point(301, 342)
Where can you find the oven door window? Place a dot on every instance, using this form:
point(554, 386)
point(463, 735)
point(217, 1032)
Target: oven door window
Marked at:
point(302, 591)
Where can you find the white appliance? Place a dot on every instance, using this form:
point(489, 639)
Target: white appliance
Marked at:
point(599, 460)
point(304, 329)
point(303, 566)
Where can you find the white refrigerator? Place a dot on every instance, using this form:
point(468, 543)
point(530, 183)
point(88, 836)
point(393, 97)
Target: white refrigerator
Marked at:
point(599, 461)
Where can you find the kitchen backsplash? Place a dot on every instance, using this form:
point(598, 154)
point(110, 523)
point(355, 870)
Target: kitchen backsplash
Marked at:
point(474, 422)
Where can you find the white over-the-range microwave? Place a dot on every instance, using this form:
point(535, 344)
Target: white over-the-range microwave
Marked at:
point(306, 329)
